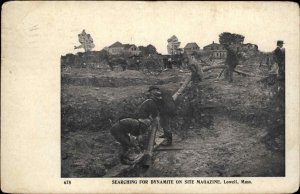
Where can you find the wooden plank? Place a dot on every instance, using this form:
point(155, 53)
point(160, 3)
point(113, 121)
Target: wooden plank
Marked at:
point(213, 67)
point(115, 171)
point(183, 86)
point(246, 74)
point(121, 168)
point(152, 136)
point(171, 148)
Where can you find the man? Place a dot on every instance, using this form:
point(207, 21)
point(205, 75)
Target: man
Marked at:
point(166, 107)
point(279, 56)
point(268, 63)
point(196, 69)
point(170, 63)
point(231, 62)
point(124, 66)
point(121, 130)
point(167, 64)
point(146, 115)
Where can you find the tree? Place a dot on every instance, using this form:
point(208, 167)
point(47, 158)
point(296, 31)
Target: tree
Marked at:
point(150, 49)
point(173, 46)
point(227, 38)
point(86, 41)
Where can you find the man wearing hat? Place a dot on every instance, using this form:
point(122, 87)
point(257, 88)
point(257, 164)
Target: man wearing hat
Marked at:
point(121, 130)
point(279, 56)
point(166, 107)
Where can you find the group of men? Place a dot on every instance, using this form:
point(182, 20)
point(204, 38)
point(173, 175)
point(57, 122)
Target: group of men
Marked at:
point(159, 104)
point(233, 57)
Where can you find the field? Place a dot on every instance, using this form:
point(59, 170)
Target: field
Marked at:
point(221, 128)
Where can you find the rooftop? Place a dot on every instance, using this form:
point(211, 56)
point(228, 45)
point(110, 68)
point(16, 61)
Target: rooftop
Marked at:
point(191, 45)
point(116, 44)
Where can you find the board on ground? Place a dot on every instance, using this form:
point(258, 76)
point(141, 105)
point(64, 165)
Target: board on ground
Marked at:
point(115, 171)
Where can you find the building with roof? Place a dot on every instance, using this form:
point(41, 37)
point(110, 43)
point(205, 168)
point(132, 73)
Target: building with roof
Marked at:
point(249, 48)
point(218, 51)
point(131, 49)
point(191, 47)
point(118, 48)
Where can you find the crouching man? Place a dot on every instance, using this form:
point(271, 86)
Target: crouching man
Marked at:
point(122, 130)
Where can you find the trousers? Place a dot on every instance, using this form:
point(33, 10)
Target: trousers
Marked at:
point(165, 124)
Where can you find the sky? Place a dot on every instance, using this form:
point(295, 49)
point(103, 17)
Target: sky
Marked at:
point(141, 23)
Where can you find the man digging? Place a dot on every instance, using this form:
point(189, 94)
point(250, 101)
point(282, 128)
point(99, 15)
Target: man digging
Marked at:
point(122, 131)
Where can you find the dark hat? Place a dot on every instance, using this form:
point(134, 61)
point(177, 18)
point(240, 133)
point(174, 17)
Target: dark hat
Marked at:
point(153, 88)
point(280, 42)
point(146, 122)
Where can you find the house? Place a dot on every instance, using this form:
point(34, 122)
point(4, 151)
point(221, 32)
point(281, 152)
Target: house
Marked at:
point(131, 50)
point(218, 51)
point(249, 47)
point(191, 48)
point(116, 48)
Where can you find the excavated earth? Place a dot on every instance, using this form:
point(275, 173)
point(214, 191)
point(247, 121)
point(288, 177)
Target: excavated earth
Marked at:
point(220, 128)
point(88, 111)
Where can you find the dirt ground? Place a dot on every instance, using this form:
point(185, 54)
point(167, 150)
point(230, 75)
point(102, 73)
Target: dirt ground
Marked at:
point(229, 148)
point(241, 135)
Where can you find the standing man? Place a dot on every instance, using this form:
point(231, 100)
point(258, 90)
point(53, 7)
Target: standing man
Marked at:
point(268, 63)
point(279, 56)
point(231, 62)
point(196, 69)
point(166, 107)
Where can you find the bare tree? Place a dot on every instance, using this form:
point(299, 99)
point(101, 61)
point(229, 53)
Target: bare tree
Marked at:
point(86, 41)
point(173, 45)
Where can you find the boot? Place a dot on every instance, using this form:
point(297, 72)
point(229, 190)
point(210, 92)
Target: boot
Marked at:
point(168, 140)
point(162, 136)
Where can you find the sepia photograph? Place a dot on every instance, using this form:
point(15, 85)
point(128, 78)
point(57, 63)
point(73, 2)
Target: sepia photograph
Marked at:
point(185, 109)
point(149, 97)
